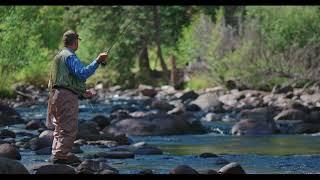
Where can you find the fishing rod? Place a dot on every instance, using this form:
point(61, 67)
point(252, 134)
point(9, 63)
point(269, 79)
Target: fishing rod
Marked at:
point(115, 41)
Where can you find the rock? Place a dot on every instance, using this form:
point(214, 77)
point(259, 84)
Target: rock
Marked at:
point(162, 105)
point(314, 117)
point(88, 130)
point(95, 167)
point(120, 138)
point(53, 169)
point(183, 169)
point(4, 133)
point(146, 171)
point(209, 171)
point(157, 124)
point(230, 99)
point(221, 161)
point(37, 143)
point(190, 95)
point(147, 90)
point(298, 106)
point(104, 143)
point(212, 117)
point(33, 125)
point(9, 116)
point(110, 155)
point(304, 128)
point(101, 121)
point(44, 151)
point(292, 114)
point(192, 107)
point(208, 155)
point(232, 168)
point(46, 137)
point(261, 114)
point(208, 102)
point(179, 109)
point(281, 89)
point(80, 142)
point(9, 166)
point(9, 151)
point(254, 127)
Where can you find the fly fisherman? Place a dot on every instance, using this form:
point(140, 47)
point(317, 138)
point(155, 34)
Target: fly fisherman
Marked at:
point(66, 84)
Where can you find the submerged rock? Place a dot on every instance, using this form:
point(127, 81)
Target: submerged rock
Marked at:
point(9, 166)
point(9, 151)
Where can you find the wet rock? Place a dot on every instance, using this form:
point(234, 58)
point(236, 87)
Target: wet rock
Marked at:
point(298, 106)
point(101, 121)
point(120, 138)
point(261, 114)
point(9, 140)
point(179, 109)
point(45, 139)
point(232, 168)
point(209, 102)
point(254, 127)
point(292, 114)
point(208, 171)
point(110, 155)
point(95, 167)
point(162, 105)
point(208, 155)
point(221, 161)
point(314, 117)
point(44, 151)
point(33, 125)
point(9, 151)
point(183, 169)
point(212, 117)
point(88, 130)
point(192, 107)
point(9, 166)
point(4, 133)
point(147, 90)
point(146, 171)
point(52, 169)
point(304, 128)
point(80, 142)
point(9, 116)
point(190, 95)
point(104, 143)
point(157, 124)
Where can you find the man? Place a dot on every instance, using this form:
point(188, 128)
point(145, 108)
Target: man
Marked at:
point(66, 84)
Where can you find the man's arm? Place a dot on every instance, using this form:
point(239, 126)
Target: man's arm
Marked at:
point(76, 68)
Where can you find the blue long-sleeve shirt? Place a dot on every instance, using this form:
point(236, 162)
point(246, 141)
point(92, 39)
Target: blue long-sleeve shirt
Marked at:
point(77, 69)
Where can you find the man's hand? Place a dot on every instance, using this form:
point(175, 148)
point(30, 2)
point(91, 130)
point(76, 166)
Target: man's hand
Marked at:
point(101, 59)
point(89, 93)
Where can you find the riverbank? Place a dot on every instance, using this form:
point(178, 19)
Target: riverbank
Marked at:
point(113, 122)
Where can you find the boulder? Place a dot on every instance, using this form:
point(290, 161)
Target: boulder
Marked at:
point(147, 90)
point(88, 130)
point(208, 155)
point(157, 124)
point(254, 127)
point(52, 169)
point(95, 167)
point(190, 95)
point(232, 168)
point(9, 166)
point(9, 116)
point(292, 114)
point(101, 121)
point(9, 151)
point(110, 155)
point(161, 105)
point(33, 125)
point(208, 102)
point(183, 169)
point(4, 133)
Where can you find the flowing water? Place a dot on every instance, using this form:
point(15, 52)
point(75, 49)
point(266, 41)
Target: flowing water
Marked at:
point(270, 154)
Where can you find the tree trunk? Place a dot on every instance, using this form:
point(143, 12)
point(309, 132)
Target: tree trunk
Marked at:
point(156, 20)
point(144, 65)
